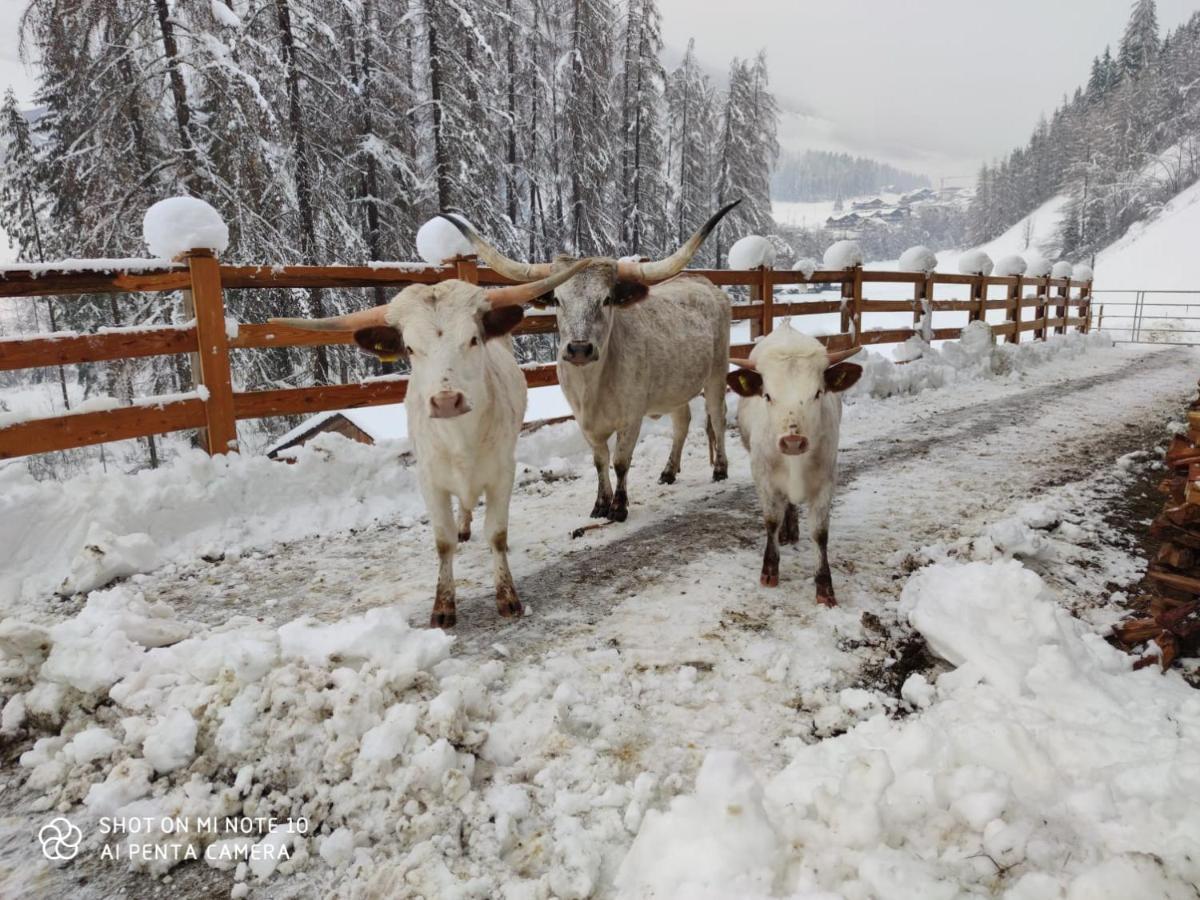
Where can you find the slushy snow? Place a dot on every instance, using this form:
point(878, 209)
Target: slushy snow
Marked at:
point(178, 224)
point(750, 252)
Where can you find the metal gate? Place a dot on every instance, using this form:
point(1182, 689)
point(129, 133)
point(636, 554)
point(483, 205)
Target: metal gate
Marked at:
point(1149, 317)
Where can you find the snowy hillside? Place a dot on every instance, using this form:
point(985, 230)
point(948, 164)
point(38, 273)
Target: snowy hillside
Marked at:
point(1159, 254)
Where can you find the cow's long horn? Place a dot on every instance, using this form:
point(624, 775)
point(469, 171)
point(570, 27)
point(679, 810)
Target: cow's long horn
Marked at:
point(836, 356)
point(743, 363)
point(669, 267)
point(364, 318)
point(520, 294)
point(509, 268)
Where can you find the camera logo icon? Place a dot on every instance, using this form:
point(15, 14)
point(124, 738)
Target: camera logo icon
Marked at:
point(60, 839)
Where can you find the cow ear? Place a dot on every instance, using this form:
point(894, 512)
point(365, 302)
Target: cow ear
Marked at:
point(545, 301)
point(382, 340)
point(745, 382)
point(626, 292)
point(497, 322)
point(842, 375)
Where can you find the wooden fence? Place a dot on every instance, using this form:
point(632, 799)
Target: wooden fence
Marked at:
point(216, 406)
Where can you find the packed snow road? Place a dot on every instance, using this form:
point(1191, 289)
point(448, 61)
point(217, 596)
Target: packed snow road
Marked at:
point(523, 759)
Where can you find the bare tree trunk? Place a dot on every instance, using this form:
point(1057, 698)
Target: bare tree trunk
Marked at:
point(183, 112)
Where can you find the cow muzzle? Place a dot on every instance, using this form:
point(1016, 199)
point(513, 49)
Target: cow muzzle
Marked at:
point(580, 353)
point(448, 404)
point(793, 444)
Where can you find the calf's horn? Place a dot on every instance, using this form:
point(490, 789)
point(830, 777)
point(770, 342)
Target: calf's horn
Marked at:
point(364, 318)
point(509, 268)
point(836, 356)
point(520, 294)
point(669, 267)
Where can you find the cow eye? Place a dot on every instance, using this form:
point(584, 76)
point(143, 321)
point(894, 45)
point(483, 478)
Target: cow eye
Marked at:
point(475, 342)
point(818, 397)
point(767, 397)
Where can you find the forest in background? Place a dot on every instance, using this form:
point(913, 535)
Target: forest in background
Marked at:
point(1119, 147)
point(327, 131)
point(823, 175)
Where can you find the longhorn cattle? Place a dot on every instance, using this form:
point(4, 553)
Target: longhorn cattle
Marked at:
point(789, 416)
point(465, 403)
point(638, 339)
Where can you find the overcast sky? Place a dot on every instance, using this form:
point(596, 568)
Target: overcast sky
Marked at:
point(932, 85)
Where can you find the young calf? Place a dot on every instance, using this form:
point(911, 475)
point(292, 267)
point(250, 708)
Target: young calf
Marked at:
point(465, 403)
point(789, 417)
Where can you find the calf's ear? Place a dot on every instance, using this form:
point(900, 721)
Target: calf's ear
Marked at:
point(625, 292)
point(842, 375)
point(382, 340)
point(745, 382)
point(501, 321)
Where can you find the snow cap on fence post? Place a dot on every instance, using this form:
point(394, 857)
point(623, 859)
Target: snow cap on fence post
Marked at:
point(975, 262)
point(1062, 269)
point(1013, 264)
point(177, 225)
point(1082, 272)
point(843, 255)
point(806, 265)
point(751, 252)
point(1036, 265)
point(918, 259)
point(438, 240)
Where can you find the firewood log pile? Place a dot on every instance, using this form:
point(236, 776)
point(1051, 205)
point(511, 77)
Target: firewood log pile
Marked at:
point(1170, 609)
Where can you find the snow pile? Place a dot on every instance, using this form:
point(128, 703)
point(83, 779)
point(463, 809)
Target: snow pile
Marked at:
point(974, 356)
point(224, 15)
point(1082, 272)
point(975, 262)
point(438, 240)
point(1013, 264)
point(1062, 269)
point(918, 259)
point(843, 255)
point(79, 534)
point(1025, 770)
point(806, 265)
point(751, 252)
point(176, 225)
point(1036, 265)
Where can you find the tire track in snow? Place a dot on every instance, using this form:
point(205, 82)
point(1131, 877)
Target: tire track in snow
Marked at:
point(584, 585)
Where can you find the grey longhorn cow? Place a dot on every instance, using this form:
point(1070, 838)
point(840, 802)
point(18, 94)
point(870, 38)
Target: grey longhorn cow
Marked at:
point(638, 339)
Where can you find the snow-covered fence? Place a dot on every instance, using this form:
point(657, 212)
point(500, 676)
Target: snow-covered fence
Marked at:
point(215, 407)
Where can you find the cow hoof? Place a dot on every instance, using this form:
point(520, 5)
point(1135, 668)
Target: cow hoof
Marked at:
point(826, 600)
point(601, 510)
point(443, 618)
point(464, 536)
point(509, 605)
point(667, 477)
point(720, 474)
point(618, 514)
point(769, 579)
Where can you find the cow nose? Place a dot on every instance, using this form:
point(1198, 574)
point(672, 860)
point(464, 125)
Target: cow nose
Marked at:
point(448, 404)
point(793, 444)
point(579, 352)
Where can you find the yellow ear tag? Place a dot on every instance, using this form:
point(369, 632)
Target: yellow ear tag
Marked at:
point(745, 383)
point(386, 357)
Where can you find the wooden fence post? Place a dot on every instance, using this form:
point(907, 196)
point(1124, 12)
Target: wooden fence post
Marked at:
point(978, 310)
point(212, 340)
point(762, 290)
point(852, 303)
point(1062, 311)
point(1039, 311)
point(1012, 312)
point(466, 268)
point(1085, 306)
point(927, 307)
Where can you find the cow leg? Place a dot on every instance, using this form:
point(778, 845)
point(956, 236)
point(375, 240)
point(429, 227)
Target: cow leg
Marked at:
point(464, 521)
point(496, 525)
point(789, 531)
point(441, 517)
point(774, 509)
point(714, 423)
point(681, 418)
point(626, 441)
point(604, 491)
point(818, 523)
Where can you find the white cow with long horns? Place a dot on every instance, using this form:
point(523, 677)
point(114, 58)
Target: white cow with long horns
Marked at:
point(789, 416)
point(637, 341)
point(465, 402)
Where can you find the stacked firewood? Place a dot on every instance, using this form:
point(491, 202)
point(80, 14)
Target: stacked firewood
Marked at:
point(1170, 609)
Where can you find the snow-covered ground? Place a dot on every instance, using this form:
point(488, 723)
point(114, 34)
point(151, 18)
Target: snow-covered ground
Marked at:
point(658, 724)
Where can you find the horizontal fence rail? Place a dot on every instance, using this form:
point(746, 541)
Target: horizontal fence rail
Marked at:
point(215, 406)
point(1151, 316)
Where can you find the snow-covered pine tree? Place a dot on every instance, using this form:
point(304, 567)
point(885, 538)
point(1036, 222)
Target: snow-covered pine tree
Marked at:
point(692, 116)
point(1139, 44)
